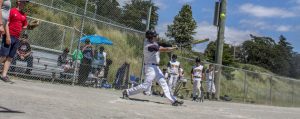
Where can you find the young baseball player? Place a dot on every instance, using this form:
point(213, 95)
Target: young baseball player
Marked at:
point(210, 78)
point(173, 70)
point(181, 77)
point(197, 76)
point(151, 69)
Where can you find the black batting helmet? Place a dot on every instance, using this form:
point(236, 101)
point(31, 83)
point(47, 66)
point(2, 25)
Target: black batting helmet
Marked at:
point(151, 33)
point(174, 56)
point(198, 59)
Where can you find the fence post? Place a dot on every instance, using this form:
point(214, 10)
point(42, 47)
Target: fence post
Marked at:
point(62, 40)
point(245, 83)
point(257, 82)
point(52, 3)
point(72, 39)
point(147, 28)
point(293, 90)
point(271, 90)
point(78, 43)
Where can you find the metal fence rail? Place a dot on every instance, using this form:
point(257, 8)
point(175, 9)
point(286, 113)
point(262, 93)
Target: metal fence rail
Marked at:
point(58, 29)
point(255, 87)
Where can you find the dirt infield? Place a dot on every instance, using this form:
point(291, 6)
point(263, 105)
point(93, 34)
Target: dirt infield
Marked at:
point(37, 100)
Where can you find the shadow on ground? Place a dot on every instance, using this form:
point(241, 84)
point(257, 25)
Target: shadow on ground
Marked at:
point(143, 100)
point(6, 110)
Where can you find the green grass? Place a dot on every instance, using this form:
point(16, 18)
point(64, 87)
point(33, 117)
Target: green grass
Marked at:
point(127, 45)
point(128, 48)
point(252, 84)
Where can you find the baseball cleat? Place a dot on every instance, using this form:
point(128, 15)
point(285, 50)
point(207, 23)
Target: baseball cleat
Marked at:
point(125, 95)
point(177, 103)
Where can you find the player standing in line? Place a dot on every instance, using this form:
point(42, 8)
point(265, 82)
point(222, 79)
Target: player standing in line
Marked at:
point(210, 77)
point(151, 69)
point(181, 77)
point(197, 76)
point(173, 70)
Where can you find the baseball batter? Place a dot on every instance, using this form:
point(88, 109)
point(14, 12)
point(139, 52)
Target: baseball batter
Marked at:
point(197, 76)
point(151, 69)
point(173, 70)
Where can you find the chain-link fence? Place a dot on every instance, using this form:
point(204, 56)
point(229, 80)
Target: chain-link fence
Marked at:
point(59, 56)
point(240, 85)
point(120, 66)
point(109, 11)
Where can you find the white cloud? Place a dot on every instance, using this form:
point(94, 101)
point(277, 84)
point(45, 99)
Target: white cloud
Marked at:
point(298, 2)
point(283, 28)
point(160, 4)
point(235, 36)
point(255, 23)
point(185, 1)
point(261, 25)
point(162, 29)
point(297, 27)
point(268, 12)
point(232, 35)
point(205, 30)
point(298, 6)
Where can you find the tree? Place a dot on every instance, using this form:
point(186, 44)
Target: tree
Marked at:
point(210, 53)
point(108, 8)
point(79, 3)
point(265, 52)
point(136, 12)
point(183, 27)
point(295, 66)
point(259, 51)
point(284, 52)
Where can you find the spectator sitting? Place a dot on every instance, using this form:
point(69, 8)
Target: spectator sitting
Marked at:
point(77, 55)
point(63, 60)
point(99, 62)
point(24, 53)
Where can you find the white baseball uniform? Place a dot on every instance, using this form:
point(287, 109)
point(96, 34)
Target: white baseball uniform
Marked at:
point(210, 81)
point(152, 71)
point(181, 75)
point(173, 70)
point(197, 73)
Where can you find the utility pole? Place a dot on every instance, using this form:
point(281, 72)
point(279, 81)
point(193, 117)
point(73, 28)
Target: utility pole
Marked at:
point(220, 43)
point(147, 28)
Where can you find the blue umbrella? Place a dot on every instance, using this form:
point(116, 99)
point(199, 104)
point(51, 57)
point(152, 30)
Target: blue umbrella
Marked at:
point(97, 40)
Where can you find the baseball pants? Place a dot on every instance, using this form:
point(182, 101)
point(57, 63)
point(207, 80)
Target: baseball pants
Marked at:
point(211, 86)
point(196, 88)
point(172, 82)
point(152, 72)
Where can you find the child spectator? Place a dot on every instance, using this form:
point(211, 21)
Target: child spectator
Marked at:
point(24, 53)
point(210, 72)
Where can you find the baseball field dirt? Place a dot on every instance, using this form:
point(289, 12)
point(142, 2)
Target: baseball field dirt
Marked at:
point(41, 100)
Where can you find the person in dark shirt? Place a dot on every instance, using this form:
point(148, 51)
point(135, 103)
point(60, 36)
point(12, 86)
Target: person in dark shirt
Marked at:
point(85, 66)
point(63, 58)
point(24, 53)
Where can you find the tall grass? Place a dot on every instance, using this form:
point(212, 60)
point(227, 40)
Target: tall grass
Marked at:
point(253, 87)
point(127, 45)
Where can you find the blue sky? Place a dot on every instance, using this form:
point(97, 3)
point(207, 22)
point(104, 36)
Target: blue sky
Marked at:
point(260, 17)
